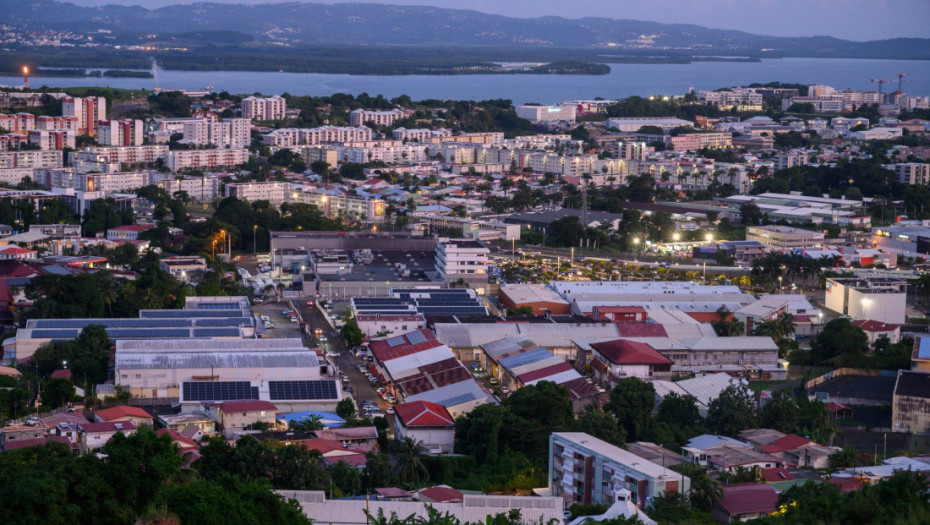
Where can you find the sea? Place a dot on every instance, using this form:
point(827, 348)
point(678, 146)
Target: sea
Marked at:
point(624, 80)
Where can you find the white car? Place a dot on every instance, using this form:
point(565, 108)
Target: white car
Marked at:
point(332, 354)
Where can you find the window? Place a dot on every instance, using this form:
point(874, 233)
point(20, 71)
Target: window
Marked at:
point(138, 376)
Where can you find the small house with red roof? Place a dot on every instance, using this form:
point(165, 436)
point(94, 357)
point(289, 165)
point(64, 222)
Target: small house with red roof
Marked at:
point(440, 494)
point(93, 436)
point(63, 373)
point(17, 253)
point(184, 443)
point(621, 358)
point(744, 502)
point(426, 422)
point(123, 413)
point(333, 452)
point(875, 330)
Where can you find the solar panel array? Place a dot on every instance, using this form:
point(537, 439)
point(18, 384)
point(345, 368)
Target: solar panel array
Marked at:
point(447, 301)
point(218, 391)
point(395, 341)
point(304, 390)
point(416, 338)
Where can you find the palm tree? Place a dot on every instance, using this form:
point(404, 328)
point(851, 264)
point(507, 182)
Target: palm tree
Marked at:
point(410, 467)
point(704, 491)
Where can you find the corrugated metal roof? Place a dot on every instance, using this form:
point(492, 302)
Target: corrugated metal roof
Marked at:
point(408, 364)
point(548, 373)
point(175, 360)
point(536, 365)
point(524, 358)
point(461, 335)
point(210, 345)
point(561, 377)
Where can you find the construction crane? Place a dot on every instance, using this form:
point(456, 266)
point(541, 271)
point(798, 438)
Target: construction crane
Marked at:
point(880, 82)
point(901, 79)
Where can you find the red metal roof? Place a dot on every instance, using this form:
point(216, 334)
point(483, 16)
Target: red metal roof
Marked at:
point(598, 365)
point(61, 374)
point(870, 325)
point(580, 389)
point(394, 492)
point(624, 352)
point(110, 414)
point(745, 498)
point(385, 352)
point(707, 317)
point(791, 442)
point(442, 494)
point(641, 330)
point(837, 407)
point(183, 441)
point(771, 475)
point(247, 406)
point(423, 414)
point(544, 372)
point(23, 443)
point(116, 426)
point(846, 484)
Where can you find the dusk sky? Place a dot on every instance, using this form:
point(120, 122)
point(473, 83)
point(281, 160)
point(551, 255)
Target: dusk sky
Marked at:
point(851, 19)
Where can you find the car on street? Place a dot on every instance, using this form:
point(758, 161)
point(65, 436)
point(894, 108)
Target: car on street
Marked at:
point(332, 354)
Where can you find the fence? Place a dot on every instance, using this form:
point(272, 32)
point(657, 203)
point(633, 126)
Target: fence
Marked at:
point(840, 372)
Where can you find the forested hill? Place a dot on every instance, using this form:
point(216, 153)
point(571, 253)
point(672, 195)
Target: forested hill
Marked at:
point(300, 23)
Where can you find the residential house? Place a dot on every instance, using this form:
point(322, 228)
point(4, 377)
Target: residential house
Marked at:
point(875, 330)
point(93, 436)
point(440, 494)
point(621, 358)
point(744, 502)
point(426, 422)
point(233, 416)
point(123, 413)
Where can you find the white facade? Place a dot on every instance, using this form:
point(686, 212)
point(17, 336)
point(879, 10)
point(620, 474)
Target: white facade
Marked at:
point(379, 118)
point(393, 154)
point(633, 124)
point(52, 139)
point(229, 133)
point(50, 123)
point(273, 192)
point(420, 135)
point(462, 259)
point(119, 132)
point(547, 113)
point(784, 238)
point(349, 206)
point(287, 137)
point(271, 108)
point(205, 158)
point(868, 299)
point(382, 325)
point(30, 159)
point(201, 189)
point(913, 173)
point(122, 154)
point(88, 111)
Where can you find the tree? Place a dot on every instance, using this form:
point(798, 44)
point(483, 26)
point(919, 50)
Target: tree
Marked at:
point(600, 424)
point(352, 333)
point(781, 412)
point(346, 408)
point(377, 472)
point(847, 457)
point(750, 213)
point(678, 410)
point(839, 338)
point(566, 231)
point(140, 464)
point(346, 478)
point(57, 392)
point(732, 411)
point(631, 402)
point(546, 403)
point(410, 466)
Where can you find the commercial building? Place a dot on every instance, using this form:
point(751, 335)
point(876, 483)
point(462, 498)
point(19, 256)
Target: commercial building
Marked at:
point(119, 132)
point(632, 124)
point(517, 361)
point(544, 114)
point(465, 260)
point(587, 470)
point(88, 110)
point(541, 299)
point(271, 108)
point(275, 193)
point(476, 229)
point(784, 238)
point(877, 299)
point(129, 232)
point(361, 117)
point(378, 325)
point(910, 408)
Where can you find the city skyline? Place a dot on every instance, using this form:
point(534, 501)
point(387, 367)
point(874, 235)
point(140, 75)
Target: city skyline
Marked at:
point(849, 19)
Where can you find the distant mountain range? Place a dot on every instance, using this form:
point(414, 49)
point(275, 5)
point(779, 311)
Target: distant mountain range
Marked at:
point(376, 24)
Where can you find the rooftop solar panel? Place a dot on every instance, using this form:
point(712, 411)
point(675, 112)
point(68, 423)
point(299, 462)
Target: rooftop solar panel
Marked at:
point(216, 332)
point(55, 334)
point(395, 341)
point(416, 338)
point(218, 391)
point(284, 390)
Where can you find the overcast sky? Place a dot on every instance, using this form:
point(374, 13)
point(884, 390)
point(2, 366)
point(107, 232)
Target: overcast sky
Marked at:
point(851, 19)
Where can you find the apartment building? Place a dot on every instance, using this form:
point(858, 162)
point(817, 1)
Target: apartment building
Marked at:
point(18, 122)
point(89, 111)
point(205, 158)
point(119, 132)
point(122, 154)
point(52, 139)
point(107, 182)
point(389, 154)
point(229, 133)
point(12, 141)
point(271, 108)
point(696, 141)
point(632, 124)
point(791, 159)
point(488, 137)
point(632, 150)
point(587, 470)
point(31, 159)
point(47, 122)
point(274, 192)
point(332, 206)
point(326, 154)
point(201, 189)
point(420, 135)
point(784, 238)
point(462, 259)
point(736, 97)
point(912, 173)
point(379, 118)
point(289, 137)
point(548, 113)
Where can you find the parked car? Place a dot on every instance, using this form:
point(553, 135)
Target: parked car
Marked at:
point(332, 354)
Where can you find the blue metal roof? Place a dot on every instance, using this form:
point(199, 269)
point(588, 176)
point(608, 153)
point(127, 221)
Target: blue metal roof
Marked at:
point(923, 349)
point(537, 354)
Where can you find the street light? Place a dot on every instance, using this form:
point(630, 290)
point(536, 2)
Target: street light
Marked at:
point(676, 236)
point(709, 237)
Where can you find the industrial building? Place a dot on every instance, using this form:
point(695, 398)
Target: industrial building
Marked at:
point(541, 299)
point(910, 407)
point(784, 238)
point(516, 361)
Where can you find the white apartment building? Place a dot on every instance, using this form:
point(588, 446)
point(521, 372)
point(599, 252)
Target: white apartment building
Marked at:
point(912, 173)
point(326, 154)
point(784, 238)
point(587, 470)
point(271, 108)
point(229, 133)
point(52, 139)
point(289, 137)
point(31, 159)
point(548, 113)
point(791, 159)
point(119, 132)
point(274, 192)
point(632, 150)
point(123, 154)
point(50, 123)
point(13, 141)
point(736, 97)
point(107, 182)
point(379, 118)
point(88, 111)
point(205, 158)
point(420, 135)
point(201, 189)
point(332, 206)
point(632, 124)
point(462, 259)
point(393, 154)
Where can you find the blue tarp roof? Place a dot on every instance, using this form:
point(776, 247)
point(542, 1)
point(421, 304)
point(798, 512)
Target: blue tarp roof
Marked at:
point(327, 418)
